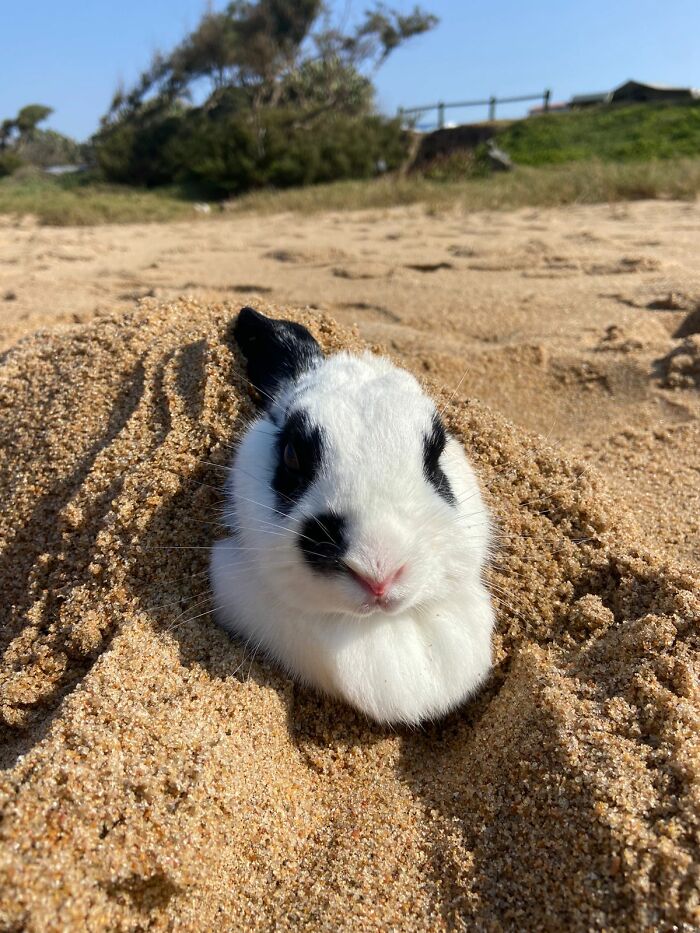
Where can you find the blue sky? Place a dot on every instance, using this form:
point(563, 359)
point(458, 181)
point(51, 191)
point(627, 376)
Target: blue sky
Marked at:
point(71, 54)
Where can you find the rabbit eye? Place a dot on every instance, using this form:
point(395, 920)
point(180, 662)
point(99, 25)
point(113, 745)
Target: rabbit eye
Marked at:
point(433, 447)
point(291, 460)
point(298, 459)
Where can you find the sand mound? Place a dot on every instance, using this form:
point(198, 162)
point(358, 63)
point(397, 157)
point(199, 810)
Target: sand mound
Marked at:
point(156, 773)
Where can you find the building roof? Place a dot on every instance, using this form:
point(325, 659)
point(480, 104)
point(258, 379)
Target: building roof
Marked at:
point(663, 88)
point(605, 97)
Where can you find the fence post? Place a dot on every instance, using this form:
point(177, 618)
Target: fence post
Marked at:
point(545, 102)
point(492, 108)
point(441, 114)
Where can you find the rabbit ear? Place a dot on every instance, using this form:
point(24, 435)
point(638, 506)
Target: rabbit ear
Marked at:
point(276, 351)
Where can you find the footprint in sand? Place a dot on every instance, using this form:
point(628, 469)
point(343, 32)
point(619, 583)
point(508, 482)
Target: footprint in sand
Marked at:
point(302, 257)
point(65, 257)
point(284, 255)
point(672, 301)
point(554, 267)
point(585, 236)
point(625, 300)
point(363, 271)
point(429, 266)
point(242, 288)
point(137, 294)
point(258, 289)
point(623, 266)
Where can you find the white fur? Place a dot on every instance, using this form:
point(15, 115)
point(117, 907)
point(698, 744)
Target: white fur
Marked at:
point(431, 648)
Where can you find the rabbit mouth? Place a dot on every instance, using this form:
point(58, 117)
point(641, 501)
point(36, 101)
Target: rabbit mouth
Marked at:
point(389, 605)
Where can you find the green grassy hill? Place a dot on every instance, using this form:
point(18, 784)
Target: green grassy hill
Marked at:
point(619, 133)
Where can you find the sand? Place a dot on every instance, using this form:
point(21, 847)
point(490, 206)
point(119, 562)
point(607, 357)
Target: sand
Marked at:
point(571, 322)
point(157, 775)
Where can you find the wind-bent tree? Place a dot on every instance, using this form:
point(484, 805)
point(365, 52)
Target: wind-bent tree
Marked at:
point(271, 51)
point(23, 142)
point(24, 126)
point(29, 117)
point(290, 100)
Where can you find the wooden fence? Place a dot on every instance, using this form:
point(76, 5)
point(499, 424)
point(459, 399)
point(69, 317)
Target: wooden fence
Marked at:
point(490, 102)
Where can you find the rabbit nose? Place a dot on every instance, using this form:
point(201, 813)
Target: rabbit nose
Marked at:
point(377, 587)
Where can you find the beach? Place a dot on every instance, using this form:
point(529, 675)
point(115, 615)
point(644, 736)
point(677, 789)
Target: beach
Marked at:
point(158, 774)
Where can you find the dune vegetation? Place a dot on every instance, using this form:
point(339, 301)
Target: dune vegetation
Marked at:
point(78, 201)
point(290, 122)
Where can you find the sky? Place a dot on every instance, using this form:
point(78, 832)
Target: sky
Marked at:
point(71, 55)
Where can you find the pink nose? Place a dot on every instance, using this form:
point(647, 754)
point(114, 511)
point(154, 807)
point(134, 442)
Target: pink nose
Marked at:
point(378, 588)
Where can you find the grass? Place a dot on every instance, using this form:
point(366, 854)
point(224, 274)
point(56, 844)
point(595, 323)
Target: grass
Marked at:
point(74, 202)
point(588, 182)
point(78, 201)
point(612, 134)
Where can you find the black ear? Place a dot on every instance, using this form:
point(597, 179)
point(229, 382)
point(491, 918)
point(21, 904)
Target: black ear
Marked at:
point(276, 351)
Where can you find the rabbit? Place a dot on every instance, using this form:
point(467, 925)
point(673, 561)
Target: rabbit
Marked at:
point(358, 532)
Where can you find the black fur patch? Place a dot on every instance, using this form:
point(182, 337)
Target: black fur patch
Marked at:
point(307, 440)
point(323, 542)
point(276, 351)
point(433, 446)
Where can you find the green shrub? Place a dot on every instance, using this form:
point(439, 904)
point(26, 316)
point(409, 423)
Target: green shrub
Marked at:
point(134, 150)
point(9, 163)
point(223, 151)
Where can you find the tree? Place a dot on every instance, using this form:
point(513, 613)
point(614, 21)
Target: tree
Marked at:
point(291, 100)
point(24, 126)
point(29, 117)
point(7, 128)
point(23, 140)
point(265, 49)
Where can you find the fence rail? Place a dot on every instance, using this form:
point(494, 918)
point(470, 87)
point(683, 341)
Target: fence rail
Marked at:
point(489, 102)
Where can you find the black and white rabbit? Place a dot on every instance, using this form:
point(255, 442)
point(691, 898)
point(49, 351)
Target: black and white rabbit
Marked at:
point(358, 532)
